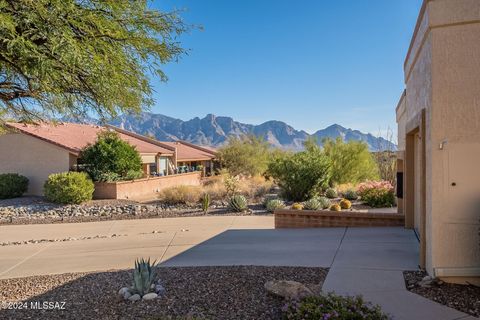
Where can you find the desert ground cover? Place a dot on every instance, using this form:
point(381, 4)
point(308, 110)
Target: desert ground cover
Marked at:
point(235, 292)
point(465, 298)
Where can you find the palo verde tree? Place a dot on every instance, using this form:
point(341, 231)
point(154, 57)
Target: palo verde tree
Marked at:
point(73, 57)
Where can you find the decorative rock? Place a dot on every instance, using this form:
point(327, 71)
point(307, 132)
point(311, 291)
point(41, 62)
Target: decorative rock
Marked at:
point(123, 290)
point(150, 296)
point(290, 290)
point(135, 297)
point(159, 289)
point(127, 295)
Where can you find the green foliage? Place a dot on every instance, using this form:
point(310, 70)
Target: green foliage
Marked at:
point(238, 203)
point(274, 204)
point(246, 156)
point(75, 57)
point(134, 174)
point(110, 156)
point(12, 185)
point(143, 276)
point(301, 175)
point(317, 203)
point(106, 177)
point(68, 188)
point(345, 204)
point(377, 194)
point(379, 198)
point(352, 162)
point(333, 307)
point(350, 195)
point(331, 193)
point(297, 206)
point(335, 207)
point(206, 202)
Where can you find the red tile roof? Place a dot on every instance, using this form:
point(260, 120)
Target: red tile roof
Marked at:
point(74, 137)
point(190, 152)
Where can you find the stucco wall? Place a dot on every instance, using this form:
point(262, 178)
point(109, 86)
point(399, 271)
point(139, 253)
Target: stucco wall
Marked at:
point(144, 188)
point(442, 76)
point(455, 121)
point(33, 158)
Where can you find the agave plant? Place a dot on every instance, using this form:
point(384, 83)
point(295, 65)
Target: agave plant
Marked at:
point(238, 203)
point(206, 202)
point(144, 276)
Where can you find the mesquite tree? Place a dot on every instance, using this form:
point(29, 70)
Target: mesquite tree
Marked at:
point(78, 57)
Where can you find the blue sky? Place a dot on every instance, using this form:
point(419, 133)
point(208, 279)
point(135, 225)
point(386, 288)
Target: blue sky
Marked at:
point(310, 63)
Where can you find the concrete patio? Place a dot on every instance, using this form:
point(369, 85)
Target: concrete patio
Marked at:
point(367, 261)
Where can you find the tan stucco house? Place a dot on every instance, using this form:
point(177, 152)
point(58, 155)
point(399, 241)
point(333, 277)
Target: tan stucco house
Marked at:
point(37, 151)
point(438, 119)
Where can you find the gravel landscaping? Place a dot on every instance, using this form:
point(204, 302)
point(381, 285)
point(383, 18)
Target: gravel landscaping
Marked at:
point(465, 298)
point(34, 210)
point(235, 292)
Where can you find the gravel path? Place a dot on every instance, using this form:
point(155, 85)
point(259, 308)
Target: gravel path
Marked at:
point(192, 292)
point(465, 298)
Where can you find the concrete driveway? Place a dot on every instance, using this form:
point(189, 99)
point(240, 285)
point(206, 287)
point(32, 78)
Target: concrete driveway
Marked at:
point(367, 261)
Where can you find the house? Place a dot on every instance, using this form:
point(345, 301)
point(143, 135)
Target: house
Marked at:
point(438, 119)
point(37, 151)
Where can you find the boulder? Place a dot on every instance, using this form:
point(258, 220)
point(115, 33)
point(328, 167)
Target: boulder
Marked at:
point(290, 290)
point(150, 296)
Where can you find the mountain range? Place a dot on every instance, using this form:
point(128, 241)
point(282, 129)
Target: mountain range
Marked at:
point(214, 131)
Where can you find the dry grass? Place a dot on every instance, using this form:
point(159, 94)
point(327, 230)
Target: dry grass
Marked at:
point(181, 194)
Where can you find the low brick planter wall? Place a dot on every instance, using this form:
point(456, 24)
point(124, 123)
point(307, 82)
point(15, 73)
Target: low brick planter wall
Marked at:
point(144, 188)
point(327, 219)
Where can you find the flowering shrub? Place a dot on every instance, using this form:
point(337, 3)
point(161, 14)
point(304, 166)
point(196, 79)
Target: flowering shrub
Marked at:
point(377, 194)
point(332, 307)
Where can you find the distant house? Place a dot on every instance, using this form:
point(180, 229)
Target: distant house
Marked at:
point(438, 120)
point(37, 151)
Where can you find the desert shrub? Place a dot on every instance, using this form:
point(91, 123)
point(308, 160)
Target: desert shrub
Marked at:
point(350, 195)
point(301, 175)
point(245, 156)
point(134, 174)
point(331, 193)
point(352, 162)
point(181, 195)
point(110, 155)
point(106, 177)
point(335, 207)
point(387, 165)
point(215, 187)
point(297, 206)
point(345, 204)
point(68, 188)
point(275, 204)
point(254, 187)
point(377, 194)
point(238, 203)
point(332, 307)
point(12, 185)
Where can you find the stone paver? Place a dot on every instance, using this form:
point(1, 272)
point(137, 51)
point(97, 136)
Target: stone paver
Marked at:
point(370, 262)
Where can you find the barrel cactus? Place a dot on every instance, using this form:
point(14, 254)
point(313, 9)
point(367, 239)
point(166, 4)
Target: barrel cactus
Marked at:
point(275, 204)
point(350, 195)
point(143, 276)
point(335, 207)
point(297, 206)
point(238, 203)
point(331, 193)
point(345, 204)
